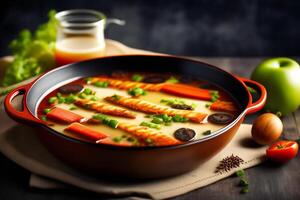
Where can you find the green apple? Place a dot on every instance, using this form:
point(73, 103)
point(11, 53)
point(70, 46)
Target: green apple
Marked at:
point(281, 77)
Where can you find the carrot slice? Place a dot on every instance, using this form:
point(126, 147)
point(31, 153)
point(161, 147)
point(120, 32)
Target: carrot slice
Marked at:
point(187, 91)
point(145, 134)
point(85, 132)
point(225, 106)
point(62, 115)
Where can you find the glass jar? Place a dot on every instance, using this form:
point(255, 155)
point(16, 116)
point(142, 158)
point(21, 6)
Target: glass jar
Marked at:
point(80, 35)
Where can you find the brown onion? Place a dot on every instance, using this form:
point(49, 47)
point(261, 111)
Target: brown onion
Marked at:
point(266, 128)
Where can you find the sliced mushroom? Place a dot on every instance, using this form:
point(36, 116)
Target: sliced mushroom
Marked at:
point(182, 106)
point(220, 118)
point(70, 88)
point(184, 134)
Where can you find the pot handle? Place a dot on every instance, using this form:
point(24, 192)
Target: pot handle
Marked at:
point(23, 116)
point(259, 104)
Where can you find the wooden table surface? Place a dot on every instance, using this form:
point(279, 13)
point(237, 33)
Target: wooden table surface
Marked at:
point(267, 181)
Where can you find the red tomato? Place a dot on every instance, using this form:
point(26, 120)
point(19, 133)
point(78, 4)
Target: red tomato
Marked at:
point(282, 151)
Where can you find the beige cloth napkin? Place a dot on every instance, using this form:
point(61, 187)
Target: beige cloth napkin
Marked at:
point(20, 144)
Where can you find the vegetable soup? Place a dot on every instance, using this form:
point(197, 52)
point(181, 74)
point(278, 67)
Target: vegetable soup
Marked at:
point(138, 109)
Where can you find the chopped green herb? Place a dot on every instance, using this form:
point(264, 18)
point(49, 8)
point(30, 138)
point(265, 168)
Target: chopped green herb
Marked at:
point(70, 99)
point(87, 91)
point(82, 95)
point(73, 108)
point(116, 97)
point(46, 110)
point(179, 118)
point(136, 92)
point(105, 120)
point(113, 123)
point(166, 118)
point(52, 100)
point(172, 79)
point(157, 120)
point(178, 104)
point(207, 105)
point(103, 84)
point(131, 139)
point(208, 132)
point(117, 139)
point(194, 106)
point(58, 94)
point(137, 77)
point(100, 117)
point(214, 99)
point(43, 117)
point(172, 101)
point(94, 98)
point(148, 140)
point(214, 95)
point(245, 190)
point(61, 100)
point(240, 173)
point(151, 125)
point(243, 182)
point(251, 90)
point(168, 123)
point(88, 80)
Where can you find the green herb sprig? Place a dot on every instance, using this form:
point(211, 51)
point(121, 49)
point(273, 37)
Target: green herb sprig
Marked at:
point(33, 52)
point(244, 183)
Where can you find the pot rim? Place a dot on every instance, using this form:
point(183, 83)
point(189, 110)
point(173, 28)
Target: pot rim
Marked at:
point(215, 133)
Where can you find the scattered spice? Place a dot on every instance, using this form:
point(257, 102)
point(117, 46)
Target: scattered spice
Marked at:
point(229, 163)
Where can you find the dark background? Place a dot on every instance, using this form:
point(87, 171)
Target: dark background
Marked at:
point(194, 28)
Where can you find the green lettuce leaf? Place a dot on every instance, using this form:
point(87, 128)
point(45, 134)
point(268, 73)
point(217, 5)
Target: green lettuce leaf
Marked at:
point(33, 52)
